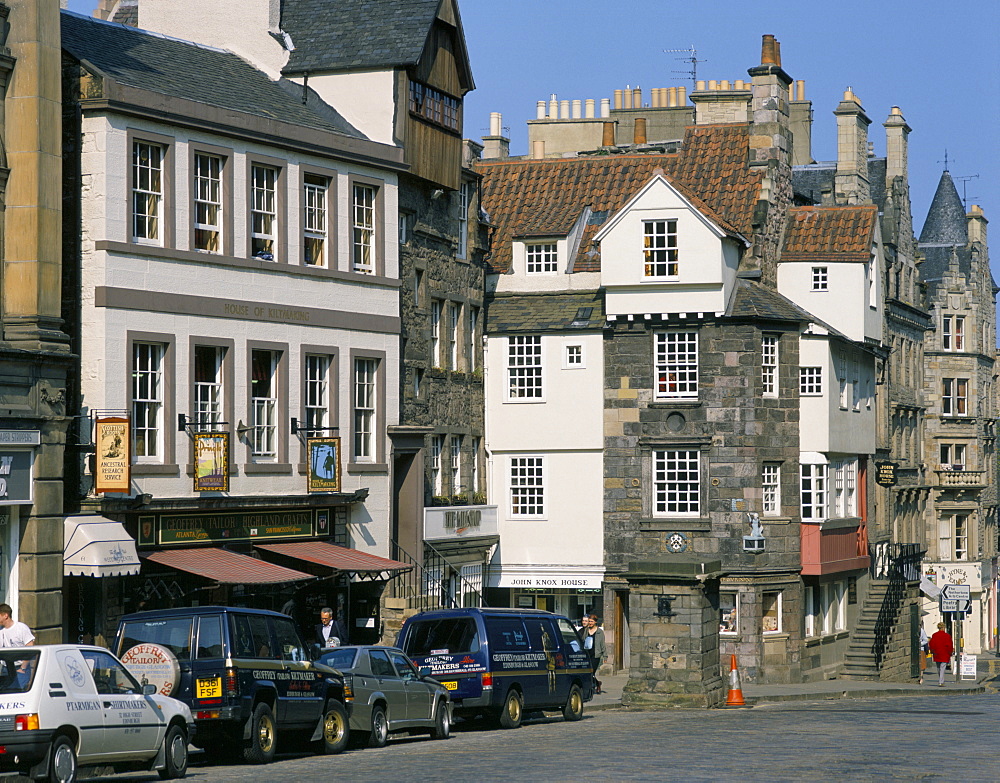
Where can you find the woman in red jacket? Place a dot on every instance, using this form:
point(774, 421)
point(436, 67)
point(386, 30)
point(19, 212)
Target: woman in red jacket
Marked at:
point(942, 649)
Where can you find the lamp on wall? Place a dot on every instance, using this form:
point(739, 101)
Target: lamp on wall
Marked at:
point(242, 429)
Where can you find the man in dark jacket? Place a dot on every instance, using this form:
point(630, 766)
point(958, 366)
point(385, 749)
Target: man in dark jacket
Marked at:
point(329, 628)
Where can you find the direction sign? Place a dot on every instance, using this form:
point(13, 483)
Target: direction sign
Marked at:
point(956, 592)
point(955, 605)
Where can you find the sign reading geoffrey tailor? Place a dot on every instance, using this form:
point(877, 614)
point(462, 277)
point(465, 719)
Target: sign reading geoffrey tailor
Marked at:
point(220, 528)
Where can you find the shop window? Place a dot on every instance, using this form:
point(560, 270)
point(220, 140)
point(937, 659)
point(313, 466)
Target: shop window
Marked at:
point(771, 605)
point(729, 613)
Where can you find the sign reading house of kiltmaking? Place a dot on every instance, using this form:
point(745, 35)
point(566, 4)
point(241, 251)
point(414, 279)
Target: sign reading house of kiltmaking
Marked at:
point(112, 455)
point(441, 523)
point(220, 528)
point(324, 465)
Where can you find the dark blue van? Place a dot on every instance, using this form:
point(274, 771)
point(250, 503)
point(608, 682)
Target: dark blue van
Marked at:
point(501, 662)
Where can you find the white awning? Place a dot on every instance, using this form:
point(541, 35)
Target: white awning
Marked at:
point(97, 546)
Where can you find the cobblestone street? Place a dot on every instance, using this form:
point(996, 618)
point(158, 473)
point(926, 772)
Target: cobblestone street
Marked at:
point(947, 737)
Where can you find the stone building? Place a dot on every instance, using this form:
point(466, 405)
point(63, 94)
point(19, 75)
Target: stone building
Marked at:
point(959, 447)
point(34, 347)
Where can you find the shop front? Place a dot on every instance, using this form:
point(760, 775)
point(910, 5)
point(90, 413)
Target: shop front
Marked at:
point(458, 543)
point(567, 590)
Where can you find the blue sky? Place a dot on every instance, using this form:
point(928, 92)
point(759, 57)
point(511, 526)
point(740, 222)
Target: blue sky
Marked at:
point(939, 62)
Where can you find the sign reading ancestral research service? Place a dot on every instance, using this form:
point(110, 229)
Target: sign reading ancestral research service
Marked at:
point(885, 473)
point(113, 455)
point(324, 465)
point(211, 461)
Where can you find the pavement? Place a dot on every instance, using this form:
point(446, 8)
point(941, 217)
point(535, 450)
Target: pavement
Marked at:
point(987, 680)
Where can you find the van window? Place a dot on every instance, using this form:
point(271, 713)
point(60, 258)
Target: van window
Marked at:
point(288, 640)
point(569, 635)
point(441, 637)
point(174, 633)
point(210, 637)
point(507, 633)
point(250, 636)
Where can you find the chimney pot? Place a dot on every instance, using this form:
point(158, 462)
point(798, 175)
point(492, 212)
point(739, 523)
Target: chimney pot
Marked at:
point(639, 133)
point(589, 108)
point(608, 139)
point(605, 107)
point(769, 51)
point(618, 99)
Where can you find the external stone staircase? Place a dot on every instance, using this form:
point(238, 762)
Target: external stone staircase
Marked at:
point(860, 662)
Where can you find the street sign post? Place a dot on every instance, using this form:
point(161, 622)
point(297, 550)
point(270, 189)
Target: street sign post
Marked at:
point(957, 592)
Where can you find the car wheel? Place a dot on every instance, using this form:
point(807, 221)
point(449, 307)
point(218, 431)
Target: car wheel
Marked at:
point(263, 736)
point(335, 729)
point(573, 709)
point(442, 722)
point(512, 712)
point(175, 754)
point(62, 761)
point(379, 733)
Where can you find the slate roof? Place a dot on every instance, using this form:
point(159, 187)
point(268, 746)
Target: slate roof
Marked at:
point(946, 223)
point(808, 182)
point(180, 69)
point(830, 233)
point(342, 34)
point(546, 197)
point(755, 301)
point(127, 13)
point(544, 312)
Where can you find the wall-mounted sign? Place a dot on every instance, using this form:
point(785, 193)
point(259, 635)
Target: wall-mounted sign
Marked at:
point(113, 455)
point(15, 476)
point(324, 465)
point(211, 461)
point(885, 473)
point(220, 528)
point(20, 437)
point(452, 522)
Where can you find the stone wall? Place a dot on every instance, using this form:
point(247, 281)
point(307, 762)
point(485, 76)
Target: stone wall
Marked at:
point(897, 665)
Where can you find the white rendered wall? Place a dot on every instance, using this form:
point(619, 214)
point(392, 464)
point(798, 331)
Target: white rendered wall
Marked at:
point(518, 280)
point(366, 99)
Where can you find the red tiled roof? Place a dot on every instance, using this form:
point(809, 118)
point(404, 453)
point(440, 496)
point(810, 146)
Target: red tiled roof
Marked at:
point(546, 197)
point(225, 567)
point(830, 233)
point(337, 557)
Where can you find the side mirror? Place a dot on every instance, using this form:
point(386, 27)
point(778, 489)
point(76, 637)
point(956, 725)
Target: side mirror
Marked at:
point(148, 689)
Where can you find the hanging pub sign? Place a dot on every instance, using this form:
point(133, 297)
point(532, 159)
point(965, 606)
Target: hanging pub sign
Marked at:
point(211, 461)
point(113, 455)
point(324, 465)
point(885, 473)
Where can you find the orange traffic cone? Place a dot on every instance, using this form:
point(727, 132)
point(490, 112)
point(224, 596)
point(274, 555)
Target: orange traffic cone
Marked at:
point(735, 697)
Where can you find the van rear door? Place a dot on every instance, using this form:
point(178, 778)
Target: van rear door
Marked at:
point(452, 649)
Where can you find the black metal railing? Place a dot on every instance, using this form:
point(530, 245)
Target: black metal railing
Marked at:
point(897, 564)
point(435, 582)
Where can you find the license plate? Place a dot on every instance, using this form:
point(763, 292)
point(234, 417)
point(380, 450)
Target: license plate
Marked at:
point(451, 686)
point(210, 688)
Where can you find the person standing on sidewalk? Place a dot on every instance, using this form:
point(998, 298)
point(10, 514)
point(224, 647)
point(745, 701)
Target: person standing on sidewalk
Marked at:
point(942, 648)
point(593, 643)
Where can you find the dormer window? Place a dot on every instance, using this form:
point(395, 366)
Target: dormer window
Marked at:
point(541, 259)
point(660, 248)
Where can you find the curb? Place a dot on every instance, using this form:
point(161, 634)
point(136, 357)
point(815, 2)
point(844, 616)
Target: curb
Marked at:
point(864, 694)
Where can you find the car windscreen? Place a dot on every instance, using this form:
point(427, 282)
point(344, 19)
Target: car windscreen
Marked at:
point(449, 635)
point(174, 633)
point(339, 659)
point(17, 671)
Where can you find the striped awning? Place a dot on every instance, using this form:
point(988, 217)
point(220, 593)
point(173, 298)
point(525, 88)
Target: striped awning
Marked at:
point(339, 558)
point(225, 567)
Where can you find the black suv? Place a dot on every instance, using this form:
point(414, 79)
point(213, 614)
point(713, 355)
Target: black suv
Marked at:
point(246, 675)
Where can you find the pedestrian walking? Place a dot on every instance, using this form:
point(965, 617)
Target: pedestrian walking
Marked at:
point(942, 648)
point(593, 643)
point(923, 653)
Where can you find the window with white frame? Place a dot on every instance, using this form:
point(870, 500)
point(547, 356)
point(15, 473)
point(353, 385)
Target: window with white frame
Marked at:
point(540, 258)
point(771, 485)
point(314, 222)
point(474, 480)
point(208, 386)
point(454, 330)
point(845, 474)
point(317, 392)
point(660, 248)
point(810, 381)
point(147, 193)
point(473, 360)
point(573, 357)
point(953, 456)
point(363, 228)
point(769, 365)
point(147, 401)
point(840, 361)
point(810, 597)
point(418, 382)
point(953, 332)
point(820, 278)
point(524, 367)
point(365, 395)
point(263, 212)
point(436, 307)
point(403, 223)
point(954, 398)
point(676, 364)
point(464, 197)
point(207, 197)
point(813, 487)
point(264, 403)
point(729, 612)
point(771, 613)
point(855, 384)
point(960, 536)
point(872, 270)
point(527, 486)
point(437, 446)
point(456, 464)
point(677, 483)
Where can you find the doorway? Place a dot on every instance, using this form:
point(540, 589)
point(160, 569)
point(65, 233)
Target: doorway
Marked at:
point(622, 644)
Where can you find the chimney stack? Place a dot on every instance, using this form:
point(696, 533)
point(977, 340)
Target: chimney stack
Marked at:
point(770, 136)
point(608, 139)
point(896, 146)
point(851, 181)
point(639, 134)
point(977, 224)
point(496, 145)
